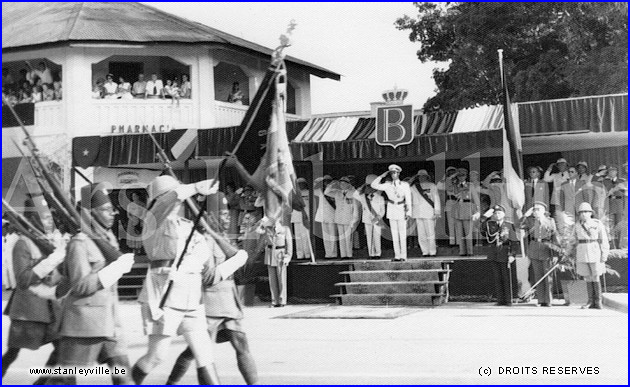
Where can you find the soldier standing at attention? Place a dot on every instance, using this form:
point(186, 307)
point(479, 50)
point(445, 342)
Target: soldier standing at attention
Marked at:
point(590, 248)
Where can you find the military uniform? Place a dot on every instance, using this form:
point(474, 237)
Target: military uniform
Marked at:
point(344, 214)
point(326, 216)
point(502, 240)
point(542, 236)
point(467, 204)
point(424, 213)
point(278, 253)
point(398, 210)
point(302, 235)
point(372, 212)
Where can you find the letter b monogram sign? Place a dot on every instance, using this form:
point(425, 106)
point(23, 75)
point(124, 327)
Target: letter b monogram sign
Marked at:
point(394, 125)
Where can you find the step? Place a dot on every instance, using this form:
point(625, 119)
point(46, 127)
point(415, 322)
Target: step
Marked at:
point(417, 287)
point(395, 275)
point(407, 265)
point(391, 299)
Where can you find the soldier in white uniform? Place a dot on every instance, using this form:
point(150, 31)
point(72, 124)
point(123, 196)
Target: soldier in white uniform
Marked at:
point(590, 246)
point(301, 233)
point(164, 237)
point(343, 193)
point(326, 216)
point(372, 212)
point(425, 208)
point(398, 208)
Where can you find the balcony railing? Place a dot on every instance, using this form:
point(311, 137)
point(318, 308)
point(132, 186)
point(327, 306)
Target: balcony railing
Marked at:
point(229, 114)
point(145, 112)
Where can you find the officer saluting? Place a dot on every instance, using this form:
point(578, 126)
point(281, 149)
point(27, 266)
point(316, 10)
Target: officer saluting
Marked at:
point(398, 208)
point(501, 236)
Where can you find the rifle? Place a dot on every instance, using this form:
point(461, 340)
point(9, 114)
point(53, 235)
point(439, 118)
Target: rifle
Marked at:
point(25, 227)
point(73, 217)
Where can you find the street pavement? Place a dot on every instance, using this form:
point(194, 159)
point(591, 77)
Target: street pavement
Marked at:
point(457, 343)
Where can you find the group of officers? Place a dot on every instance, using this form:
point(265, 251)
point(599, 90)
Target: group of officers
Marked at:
point(69, 298)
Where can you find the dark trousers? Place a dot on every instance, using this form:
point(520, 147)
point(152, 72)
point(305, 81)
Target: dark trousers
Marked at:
point(502, 282)
point(543, 290)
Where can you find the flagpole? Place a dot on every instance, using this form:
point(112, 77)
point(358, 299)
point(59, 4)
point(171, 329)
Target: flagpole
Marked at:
point(521, 240)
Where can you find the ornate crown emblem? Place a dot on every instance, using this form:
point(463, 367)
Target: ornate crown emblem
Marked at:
point(395, 96)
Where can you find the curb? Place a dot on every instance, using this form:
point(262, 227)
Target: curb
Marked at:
point(616, 301)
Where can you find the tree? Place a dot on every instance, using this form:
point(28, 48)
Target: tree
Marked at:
point(551, 50)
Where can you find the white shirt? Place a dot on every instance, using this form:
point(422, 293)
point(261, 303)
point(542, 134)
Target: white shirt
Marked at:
point(154, 87)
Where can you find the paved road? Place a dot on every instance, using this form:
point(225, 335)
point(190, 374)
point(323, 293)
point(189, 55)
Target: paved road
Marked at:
point(445, 345)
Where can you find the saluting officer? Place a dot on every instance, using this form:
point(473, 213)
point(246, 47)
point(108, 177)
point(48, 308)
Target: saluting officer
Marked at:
point(465, 210)
point(343, 193)
point(372, 212)
point(590, 246)
point(542, 248)
point(501, 237)
point(165, 236)
point(398, 208)
point(425, 208)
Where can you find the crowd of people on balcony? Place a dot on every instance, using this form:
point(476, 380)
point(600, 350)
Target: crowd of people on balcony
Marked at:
point(33, 85)
point(174, 89)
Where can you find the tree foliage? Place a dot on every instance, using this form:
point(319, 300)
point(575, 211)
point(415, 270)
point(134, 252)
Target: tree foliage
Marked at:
point(551, 50)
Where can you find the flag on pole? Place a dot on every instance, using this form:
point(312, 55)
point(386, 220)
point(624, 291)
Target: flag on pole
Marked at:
point(512, 149)
point(264, 151)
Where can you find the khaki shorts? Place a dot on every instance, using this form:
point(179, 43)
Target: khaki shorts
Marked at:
point(593, 269)
point(218, 325)
point(174, 322)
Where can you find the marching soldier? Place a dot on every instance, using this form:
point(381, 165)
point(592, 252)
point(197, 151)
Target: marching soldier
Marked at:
point(542, 248)
point(398, 208)
point(425, 208)
point(343, 194)
point(34, 311)
point(501, 236)
point(326, 216)
point(167, 239)
point(372, 212)
point(224, 311)
point(590, 247)
point(91, 329)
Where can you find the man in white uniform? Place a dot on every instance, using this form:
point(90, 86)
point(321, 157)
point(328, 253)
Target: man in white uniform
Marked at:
point(425, 208)
point(372, 212)
point(398, 208)
point(343, 193)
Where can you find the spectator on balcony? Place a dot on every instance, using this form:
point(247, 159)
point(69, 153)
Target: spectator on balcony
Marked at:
point(110, 87)
point(7, 78)
point(98, 91)
point(25, 93)
point(47, 93)
point(57, 93)
point(23, 78)
point(124, 89)
point(186, 87)
point(43, 73)
point(172, 90)
point(37, 95)
point(154, 88)
point(236, 95)
point(139, 87)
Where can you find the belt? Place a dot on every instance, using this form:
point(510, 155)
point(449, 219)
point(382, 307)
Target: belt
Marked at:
point(451, 197)
point(161, 263)
point(540, 240)
point(465, 200)
point(395, 203)
point(250, 211)
point(277, 247)
point(589, 240)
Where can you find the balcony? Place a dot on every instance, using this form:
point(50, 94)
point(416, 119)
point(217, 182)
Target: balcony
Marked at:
point(229, 114)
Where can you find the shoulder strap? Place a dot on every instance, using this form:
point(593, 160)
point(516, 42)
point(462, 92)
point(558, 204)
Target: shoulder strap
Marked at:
point(331, 201)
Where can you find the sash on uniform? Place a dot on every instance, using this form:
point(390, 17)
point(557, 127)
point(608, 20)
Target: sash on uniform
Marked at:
point(424, 195)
